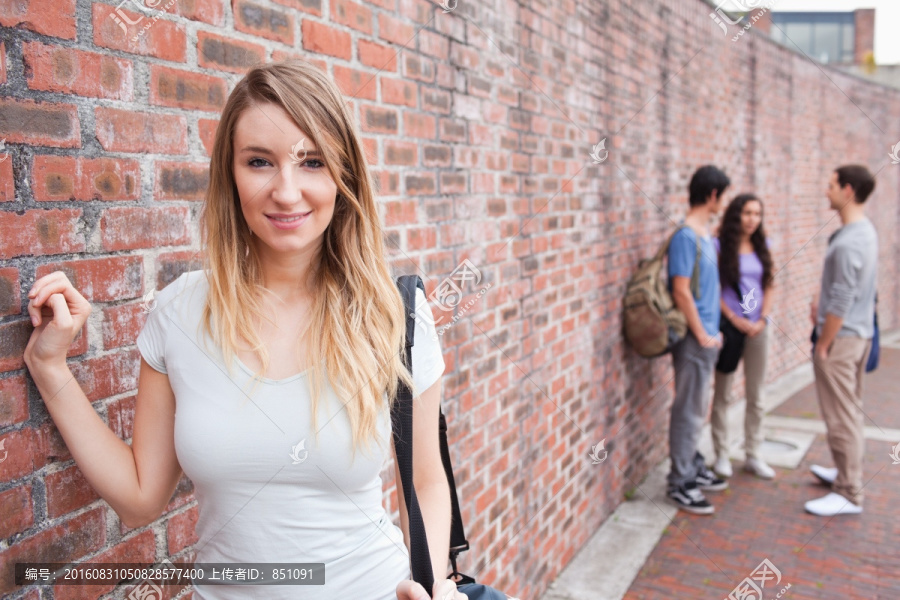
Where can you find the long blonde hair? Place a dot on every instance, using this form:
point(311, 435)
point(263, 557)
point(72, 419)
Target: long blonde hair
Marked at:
point(357, 321)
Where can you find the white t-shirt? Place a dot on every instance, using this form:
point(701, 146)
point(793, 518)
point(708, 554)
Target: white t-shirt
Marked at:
point(259, 499)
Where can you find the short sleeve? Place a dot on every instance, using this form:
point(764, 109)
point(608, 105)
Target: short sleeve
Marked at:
point(151, 341)
point(427, 357)
point(682, 254)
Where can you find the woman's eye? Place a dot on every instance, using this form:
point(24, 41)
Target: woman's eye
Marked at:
point(313, 163)
point(258, 162)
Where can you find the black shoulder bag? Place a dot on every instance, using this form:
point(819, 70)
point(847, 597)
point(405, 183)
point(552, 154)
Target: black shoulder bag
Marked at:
point(733, 343)
point(402, 430)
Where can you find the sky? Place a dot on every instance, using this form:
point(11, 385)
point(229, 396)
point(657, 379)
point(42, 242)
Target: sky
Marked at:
point(887, 21)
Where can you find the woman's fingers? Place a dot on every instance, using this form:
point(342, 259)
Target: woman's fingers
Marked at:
point(46, 287)
point(60, 309)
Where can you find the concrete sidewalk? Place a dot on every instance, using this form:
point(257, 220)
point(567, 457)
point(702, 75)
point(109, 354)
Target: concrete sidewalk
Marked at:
point(647, 549)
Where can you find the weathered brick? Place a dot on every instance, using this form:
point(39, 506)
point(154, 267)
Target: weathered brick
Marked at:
point(60, 178)
point(38, 232)
point(101, 279)
point(181, 181)
point(398, 91)
point(120, 29)
point(13, 401)
point(67, 491)
point(318, 37)
point(398, 152)
point(130, 228)
point(180, 530)
point(313, 7)
point(48, 17)
point(207, 11)
point(2, 62)
point(125, 131)
point(371, 54)
point(378, 120)
point(138, 549)
point(207, 132)
point(107, 375)
point(221, 52)
point(184, 89)
point(352, 14)
point(7, 184)
point(394, 30)
point(10, 300)
point(270, 23)
point(418, 125)
point(66, 542)
point(355, 83)
point(39, 123)
point(17, 511)
point(57, 69)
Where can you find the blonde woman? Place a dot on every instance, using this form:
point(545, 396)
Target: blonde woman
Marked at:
point(267, 375)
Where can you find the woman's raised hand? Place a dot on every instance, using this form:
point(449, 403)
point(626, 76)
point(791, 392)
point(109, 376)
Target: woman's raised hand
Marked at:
point(58, 312)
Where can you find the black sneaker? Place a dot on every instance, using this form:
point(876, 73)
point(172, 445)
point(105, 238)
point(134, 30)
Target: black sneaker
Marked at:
point(690, 499)
point(709, 481)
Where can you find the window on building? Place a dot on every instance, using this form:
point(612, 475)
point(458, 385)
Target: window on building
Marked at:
point(826, 37)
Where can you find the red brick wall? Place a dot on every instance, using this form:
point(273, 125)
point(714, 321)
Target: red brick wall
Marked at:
point(479, 123)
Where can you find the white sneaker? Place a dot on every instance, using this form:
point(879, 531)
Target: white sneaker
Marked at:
point(832, 504)
point(826, 475)
point(722, 467)
point(759, 468)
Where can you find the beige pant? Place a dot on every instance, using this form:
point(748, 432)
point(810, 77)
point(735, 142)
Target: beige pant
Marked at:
point(754, 358)
point(839, 385)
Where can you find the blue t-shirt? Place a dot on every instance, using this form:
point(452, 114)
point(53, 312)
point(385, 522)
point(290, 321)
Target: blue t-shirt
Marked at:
point(682, 254)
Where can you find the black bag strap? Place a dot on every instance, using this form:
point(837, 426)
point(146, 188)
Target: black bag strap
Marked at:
point(402, 430)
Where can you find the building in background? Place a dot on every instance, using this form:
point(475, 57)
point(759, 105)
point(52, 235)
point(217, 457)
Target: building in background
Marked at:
point(845, 40)
point(839, 38)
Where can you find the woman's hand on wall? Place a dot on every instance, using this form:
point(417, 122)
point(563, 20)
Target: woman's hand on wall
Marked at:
point(58, 312)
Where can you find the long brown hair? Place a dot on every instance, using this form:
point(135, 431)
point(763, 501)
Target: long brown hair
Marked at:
point(730, 241)
point(357, 321)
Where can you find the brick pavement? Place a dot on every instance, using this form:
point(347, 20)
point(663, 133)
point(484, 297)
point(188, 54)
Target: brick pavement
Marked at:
point(846, 557)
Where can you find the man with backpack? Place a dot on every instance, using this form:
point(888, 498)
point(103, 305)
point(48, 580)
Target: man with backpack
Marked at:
point(842, 314)
point(694, 356)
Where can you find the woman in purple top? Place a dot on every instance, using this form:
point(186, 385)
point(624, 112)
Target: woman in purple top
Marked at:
point(745, 264)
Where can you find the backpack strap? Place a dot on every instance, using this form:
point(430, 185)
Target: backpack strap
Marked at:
point(695, 276)
point(402, 426)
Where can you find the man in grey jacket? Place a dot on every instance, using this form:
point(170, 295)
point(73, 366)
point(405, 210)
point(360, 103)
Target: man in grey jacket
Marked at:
point(843, 316)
